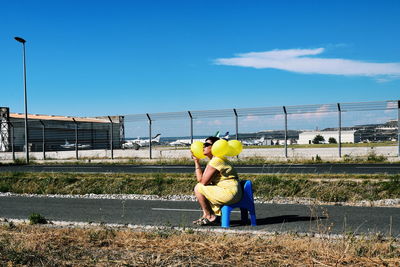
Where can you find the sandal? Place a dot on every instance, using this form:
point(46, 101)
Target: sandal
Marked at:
point(206, 222)
point(198, 221)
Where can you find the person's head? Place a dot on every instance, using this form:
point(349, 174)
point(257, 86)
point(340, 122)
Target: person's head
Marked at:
point(208, 144)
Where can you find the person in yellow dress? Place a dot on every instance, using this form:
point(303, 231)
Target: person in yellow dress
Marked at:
point(217, 185)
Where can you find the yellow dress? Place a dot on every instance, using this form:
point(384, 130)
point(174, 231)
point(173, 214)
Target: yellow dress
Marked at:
point(224, 187)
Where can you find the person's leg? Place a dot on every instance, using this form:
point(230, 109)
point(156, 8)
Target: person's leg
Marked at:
point(204, 204)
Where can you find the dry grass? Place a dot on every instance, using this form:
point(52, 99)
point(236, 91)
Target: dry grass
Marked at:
point(322, 187)
point(45, 246)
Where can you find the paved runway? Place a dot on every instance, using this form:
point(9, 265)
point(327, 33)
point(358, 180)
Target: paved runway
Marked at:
point(257, 169)
point(270, 217)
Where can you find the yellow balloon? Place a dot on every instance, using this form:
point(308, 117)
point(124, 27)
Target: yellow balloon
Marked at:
point(234, 148)
point(197, 149)
point(220, 148)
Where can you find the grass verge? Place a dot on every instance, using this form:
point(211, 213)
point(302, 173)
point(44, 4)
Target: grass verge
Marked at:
point(253, 160)
point(322, 187)
point(44, 246)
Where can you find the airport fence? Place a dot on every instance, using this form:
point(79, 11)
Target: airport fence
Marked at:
point(281, 127)
point(369, 114)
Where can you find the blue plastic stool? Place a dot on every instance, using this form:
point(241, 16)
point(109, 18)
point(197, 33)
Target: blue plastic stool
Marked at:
point(246, 206)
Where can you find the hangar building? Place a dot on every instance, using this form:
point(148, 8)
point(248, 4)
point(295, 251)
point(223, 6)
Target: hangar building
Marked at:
point(54, 133)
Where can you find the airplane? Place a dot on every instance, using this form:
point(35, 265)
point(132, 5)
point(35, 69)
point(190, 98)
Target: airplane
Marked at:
point(254, 142)
point(226, 136)
point(138, 143)
point(68, 145)
point(187, 142)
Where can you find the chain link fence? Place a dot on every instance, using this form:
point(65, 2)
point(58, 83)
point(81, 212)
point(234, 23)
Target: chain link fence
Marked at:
point(284, 131)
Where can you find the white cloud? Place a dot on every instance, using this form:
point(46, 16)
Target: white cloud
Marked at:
point(300, 60)
point(251, 118)
point(215, 122)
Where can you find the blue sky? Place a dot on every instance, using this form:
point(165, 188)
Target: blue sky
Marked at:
point(93, 58)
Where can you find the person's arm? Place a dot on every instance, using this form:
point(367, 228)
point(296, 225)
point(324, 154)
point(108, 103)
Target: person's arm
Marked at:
point(206, 176)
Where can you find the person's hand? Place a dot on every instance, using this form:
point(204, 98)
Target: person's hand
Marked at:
point(195, 159)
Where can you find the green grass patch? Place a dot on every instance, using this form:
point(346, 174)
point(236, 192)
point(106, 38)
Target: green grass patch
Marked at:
point(73, 183)
point(36, 218)
point(330, 190)
point(324, 187)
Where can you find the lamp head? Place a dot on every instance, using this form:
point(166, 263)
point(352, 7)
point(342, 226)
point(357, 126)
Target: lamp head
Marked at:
point(19, 39)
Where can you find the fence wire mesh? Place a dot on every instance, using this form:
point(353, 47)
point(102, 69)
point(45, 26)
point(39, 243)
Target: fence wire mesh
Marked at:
point(376, 121)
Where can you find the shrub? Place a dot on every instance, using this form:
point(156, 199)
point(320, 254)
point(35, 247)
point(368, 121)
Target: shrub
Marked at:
point(4, 187)
point(318, 139)
point(372, 156)
point(19, 161)
point(36, 218)
point(332, 140)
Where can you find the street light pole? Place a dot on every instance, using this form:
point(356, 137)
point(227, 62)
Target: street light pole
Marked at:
point(22, 41)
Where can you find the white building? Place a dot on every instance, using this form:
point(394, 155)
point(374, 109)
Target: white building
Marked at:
point(347, 136)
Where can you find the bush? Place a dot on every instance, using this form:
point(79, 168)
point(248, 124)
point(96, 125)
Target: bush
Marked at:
point(36, 218)
point(372, 156)
point(332, 140)
point(19, 161)
point(318, 139)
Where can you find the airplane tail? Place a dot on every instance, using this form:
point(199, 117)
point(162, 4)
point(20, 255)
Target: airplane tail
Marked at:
point(156, 138)
point(226, 137)
point(216, 134)
point(261, 140)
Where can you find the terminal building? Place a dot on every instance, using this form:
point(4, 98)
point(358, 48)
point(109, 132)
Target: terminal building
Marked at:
point(382, 132)
point(349, 136)
point(55, 133)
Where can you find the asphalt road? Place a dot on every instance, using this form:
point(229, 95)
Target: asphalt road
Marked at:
point(270, 217)
point(257, 169)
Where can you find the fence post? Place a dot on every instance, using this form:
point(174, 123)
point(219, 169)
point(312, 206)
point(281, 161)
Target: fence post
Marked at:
point(112, 137)
point(150, 146)
point(398, 128)
point(284, 110)
point(236, 124)
point(92, 142)
point(43, 139)
point(191, 127)
point(76, 138)
point(12, 141)
point(340, 130)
